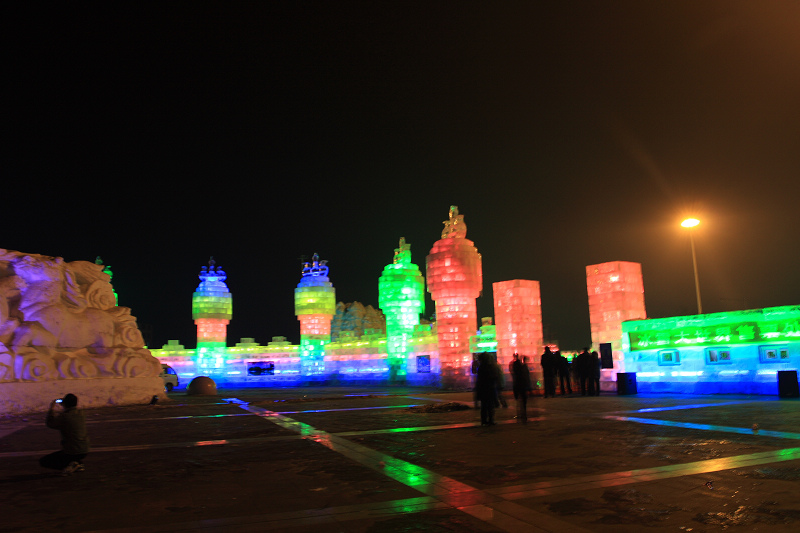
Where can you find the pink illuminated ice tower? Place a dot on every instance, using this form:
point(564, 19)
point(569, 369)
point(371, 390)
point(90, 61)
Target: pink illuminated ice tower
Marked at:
point(455, 279)
point(616, 294)
point(518, 315)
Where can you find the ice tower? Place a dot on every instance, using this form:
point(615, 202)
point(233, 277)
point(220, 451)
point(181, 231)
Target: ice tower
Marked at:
point(107, 270)
point(455, 280)
point(212, 309)
point(314, 305)
point(616, 294)
point(401, 297)
point(518, 314)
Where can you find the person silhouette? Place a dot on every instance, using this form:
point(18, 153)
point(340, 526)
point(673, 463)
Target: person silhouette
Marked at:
point(486, 387)
point(74, 441)
point(595, 375)
point(521, 380)
point(583, 364)
point(562, 367)
point(548, 363)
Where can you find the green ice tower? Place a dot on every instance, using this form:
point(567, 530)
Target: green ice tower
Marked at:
point(107, 270)
point(401, 297)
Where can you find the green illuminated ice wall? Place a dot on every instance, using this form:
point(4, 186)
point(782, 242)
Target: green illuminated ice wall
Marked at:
point(737, 352)
point(758, 326)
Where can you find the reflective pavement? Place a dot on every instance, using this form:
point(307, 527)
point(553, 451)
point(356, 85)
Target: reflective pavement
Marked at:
point(579, 464)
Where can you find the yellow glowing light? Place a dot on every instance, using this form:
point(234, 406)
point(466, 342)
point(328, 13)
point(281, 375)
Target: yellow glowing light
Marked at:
point(690, 223)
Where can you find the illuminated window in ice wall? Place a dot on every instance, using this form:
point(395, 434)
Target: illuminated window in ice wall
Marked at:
point(716, 356)
point(669, 357)
point(773, 354)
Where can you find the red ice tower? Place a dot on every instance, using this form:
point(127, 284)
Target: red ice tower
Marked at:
point(455, 279)
point(518, 315)
point(616, 294)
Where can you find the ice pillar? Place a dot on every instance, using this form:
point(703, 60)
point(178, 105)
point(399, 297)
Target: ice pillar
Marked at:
point(212, 309)
point(314, 305)
point(401, 297)
point(107, 270)
point(455, 280)
point(616, 294)
point(518, 317)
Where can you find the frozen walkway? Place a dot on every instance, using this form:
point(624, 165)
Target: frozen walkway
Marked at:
point(347, 460)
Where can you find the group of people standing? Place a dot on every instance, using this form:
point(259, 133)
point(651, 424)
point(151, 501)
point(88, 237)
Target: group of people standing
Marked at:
point(490, 380)
point(585, 368)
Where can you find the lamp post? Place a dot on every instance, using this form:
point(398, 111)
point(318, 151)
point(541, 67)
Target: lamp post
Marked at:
point(691, 223)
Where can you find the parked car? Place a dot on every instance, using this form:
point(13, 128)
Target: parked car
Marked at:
point(170, 377)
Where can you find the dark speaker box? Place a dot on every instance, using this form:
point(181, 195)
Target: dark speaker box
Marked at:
point(626, 383)
point(787, 384)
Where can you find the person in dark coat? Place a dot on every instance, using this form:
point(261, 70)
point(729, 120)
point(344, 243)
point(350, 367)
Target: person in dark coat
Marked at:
point(583, 367)
point(521, 379)
point(486, 387)
point(549, 369)
point(596, 373)
point(475, 364)
point(501, 383)
point(74, 441)
point(562, 367)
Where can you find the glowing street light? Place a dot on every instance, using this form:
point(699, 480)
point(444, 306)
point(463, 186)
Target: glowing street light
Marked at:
point(691, 223)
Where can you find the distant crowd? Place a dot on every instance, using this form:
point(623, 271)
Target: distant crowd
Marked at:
point(583, 372)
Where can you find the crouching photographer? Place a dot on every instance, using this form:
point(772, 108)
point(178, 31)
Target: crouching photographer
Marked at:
point(74, 441)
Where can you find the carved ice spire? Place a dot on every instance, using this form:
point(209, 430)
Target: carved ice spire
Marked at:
point(454, 227)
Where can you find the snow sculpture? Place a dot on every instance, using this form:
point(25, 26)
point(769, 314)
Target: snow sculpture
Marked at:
point(59, 321)
point(314, 305)
point(616, 294)
point(518, 313)
point(455, 280)
point(401, 296)
point(356, 319)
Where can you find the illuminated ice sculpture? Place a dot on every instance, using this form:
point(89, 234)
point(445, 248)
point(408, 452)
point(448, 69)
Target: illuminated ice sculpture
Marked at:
point(314, 305)
point(107, 270)
point(455, 280)
point(735, 352)
point(518, 317)
point(401, 297)
point(212, 310)
point(485, 340)
point(616, 294)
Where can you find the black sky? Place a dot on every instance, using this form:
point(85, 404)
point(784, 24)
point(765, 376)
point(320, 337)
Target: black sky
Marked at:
point(568, 133)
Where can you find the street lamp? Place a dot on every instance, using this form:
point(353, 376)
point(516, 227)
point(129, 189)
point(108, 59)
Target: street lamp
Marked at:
point(691, 223)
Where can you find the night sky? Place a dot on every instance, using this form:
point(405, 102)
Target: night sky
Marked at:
point(568, 133)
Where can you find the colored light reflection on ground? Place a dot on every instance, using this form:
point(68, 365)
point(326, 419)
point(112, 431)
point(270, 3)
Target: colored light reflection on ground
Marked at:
point(707, 427)
point(502, 503)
